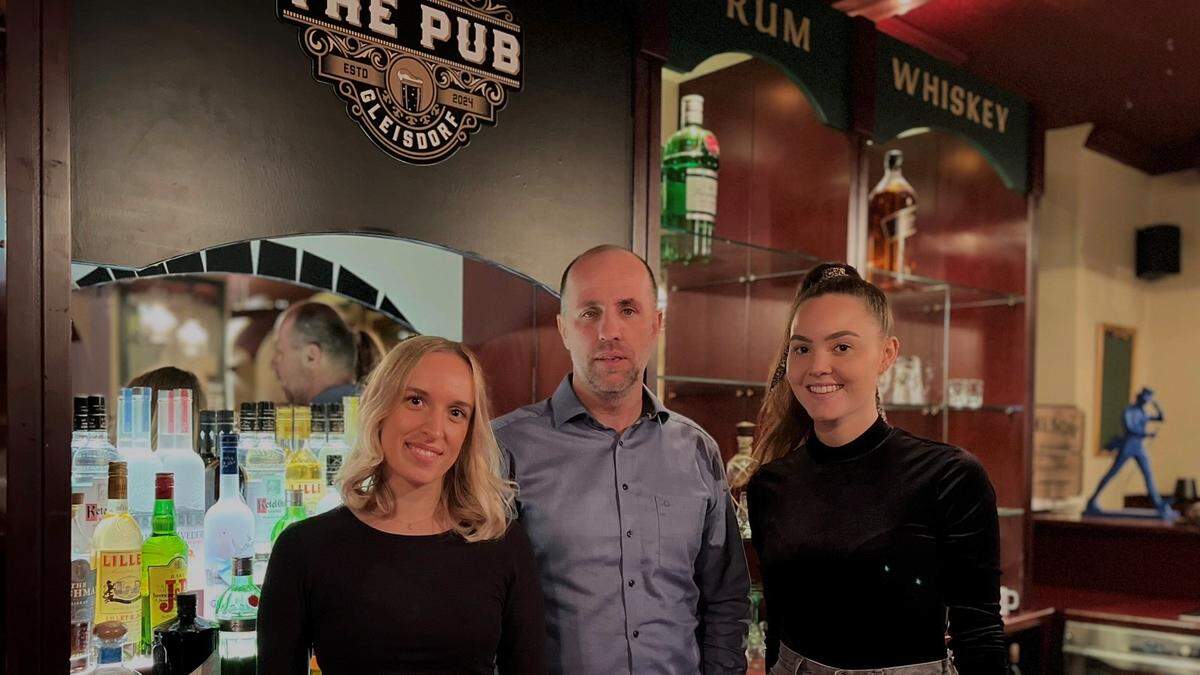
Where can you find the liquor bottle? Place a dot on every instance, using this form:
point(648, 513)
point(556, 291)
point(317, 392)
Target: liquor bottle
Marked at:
point(117, 551)
point(331, 457)
point(209, 455)
point(188, 644)
point(350, 413)
point(741, 466)
point(891, 217)
point(113, 646)
point(89, 460)
point(227, 424)
point(320, 429)
point(266, 466)
point(228, 529)
point(83, 588)
point(175, 450)
point(133, 444)
point(756, 639)
point(247, 430)
point(237, 620)
point(303, 469)
point(164, 562)
point(690, 163)
point(294, 514)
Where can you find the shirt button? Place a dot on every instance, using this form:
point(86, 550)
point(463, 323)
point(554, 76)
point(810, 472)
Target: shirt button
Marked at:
point(620, 442)
point(635, 633)
point(631, 583)
point(624, 486)
point(666, 502)
point(628, 533)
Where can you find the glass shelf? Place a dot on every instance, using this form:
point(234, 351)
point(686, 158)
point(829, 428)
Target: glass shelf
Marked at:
point(731, 262)
point(956, 296)
point(1009, 512)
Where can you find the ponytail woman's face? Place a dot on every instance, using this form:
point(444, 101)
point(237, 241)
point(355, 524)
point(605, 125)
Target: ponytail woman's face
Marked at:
point(836, 353)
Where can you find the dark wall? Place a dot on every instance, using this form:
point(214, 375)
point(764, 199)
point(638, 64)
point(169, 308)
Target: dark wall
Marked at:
point(197, 123)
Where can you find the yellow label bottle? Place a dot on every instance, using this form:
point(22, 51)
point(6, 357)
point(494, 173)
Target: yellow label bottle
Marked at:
point(303, 468)
point(118, 560)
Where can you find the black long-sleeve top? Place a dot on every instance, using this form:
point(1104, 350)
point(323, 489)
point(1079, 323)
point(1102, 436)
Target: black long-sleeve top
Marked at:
point(372, 602)
point(869, 548)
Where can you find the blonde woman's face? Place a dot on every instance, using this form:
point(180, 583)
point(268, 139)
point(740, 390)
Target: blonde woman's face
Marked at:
point(423, 435)
point(835, 356)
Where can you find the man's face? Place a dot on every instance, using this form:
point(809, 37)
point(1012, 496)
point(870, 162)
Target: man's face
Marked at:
point(291, 363)
point(609, 322)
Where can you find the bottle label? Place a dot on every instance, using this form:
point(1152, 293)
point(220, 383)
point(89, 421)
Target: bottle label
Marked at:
point(333, 464)
point(166, 582)
point(701, 194)
point(83, 604)
point(265, 496)
point(119, 590)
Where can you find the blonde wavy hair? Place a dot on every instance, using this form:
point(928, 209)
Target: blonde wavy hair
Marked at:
point(478, 500)
point(784, 424)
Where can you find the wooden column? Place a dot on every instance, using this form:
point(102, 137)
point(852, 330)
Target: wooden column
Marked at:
point(36, 299)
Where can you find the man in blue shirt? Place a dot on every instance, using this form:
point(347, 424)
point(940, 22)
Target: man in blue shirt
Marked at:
point(626, 502)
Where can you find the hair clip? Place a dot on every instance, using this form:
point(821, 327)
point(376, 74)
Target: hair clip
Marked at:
point(780, 371)
point(831, 272)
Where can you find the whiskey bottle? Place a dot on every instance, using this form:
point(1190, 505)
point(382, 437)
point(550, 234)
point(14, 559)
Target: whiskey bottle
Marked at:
point(891, 217)
point(690, 163)
point(83, 588)
point(164, 559)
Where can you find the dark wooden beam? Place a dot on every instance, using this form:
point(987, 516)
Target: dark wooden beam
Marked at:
point(37, 336)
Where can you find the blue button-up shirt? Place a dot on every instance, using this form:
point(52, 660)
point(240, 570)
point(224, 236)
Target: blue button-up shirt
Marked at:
point(636, 539)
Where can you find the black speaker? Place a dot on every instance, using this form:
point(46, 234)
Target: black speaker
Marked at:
point(1157, 251)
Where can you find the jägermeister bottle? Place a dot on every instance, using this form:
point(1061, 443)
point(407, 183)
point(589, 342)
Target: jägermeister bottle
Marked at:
point(689, 178)
point(891, 217)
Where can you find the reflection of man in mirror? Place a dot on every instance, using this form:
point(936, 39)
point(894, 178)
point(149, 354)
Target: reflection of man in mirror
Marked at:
point(315, 354)
point(1132, 445)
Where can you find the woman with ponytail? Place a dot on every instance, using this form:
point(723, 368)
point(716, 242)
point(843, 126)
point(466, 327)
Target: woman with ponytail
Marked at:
point(873, 542)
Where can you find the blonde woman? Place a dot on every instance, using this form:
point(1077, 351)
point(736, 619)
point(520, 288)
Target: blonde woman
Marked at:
point(423, 570)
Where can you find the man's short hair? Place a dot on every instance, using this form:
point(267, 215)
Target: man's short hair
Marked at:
point(322, 325)
point(562, 285)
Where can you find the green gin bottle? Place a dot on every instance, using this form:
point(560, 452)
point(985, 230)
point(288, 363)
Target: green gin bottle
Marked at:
point(237, 621)
point(164, 562)
point(689, 186)
point(294, 514)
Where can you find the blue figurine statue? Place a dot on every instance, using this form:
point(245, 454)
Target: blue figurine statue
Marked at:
point(1129, 446)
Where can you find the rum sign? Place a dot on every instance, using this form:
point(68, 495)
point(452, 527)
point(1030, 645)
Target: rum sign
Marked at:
point(418, 77)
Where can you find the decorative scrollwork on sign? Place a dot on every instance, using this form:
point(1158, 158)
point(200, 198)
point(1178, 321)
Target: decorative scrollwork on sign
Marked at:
point(420, 100)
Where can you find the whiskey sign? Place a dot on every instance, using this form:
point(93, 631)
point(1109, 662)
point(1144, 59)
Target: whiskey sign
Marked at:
point(418, 77)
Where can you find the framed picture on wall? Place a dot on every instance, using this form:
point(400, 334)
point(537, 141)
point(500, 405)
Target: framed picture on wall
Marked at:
point(1114, 381)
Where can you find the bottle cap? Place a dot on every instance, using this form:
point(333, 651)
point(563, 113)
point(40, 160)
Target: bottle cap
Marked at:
point(229, 446)
point(691, 110)
point(247, 417)
point(133, 418)
point(175, 419)
point(164, 485)
point(118, 480)
point(225, 421)
point(893, 159)
point(98, 412)
point(186, 603)
point(76, 498)
point(80, 413)
point(295, 498)
point(243, 567)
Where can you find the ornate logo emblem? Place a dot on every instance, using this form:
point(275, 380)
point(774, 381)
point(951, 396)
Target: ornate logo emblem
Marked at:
point(418, 77)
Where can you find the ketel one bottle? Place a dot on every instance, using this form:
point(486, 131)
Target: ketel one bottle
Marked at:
point(164, 562)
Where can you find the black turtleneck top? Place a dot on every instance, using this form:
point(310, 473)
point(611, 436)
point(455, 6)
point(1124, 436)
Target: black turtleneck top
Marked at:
point(868, 549)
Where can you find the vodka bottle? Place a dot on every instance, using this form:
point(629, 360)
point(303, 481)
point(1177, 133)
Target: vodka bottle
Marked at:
point(228, 529)
point(175, 440)
point(133, 444)
point(90, 454)
point(266, 466)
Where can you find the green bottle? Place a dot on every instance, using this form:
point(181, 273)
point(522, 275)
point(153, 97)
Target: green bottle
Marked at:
point(294, 514)
point(164, 562)
point(690, 162)
point(237, 621)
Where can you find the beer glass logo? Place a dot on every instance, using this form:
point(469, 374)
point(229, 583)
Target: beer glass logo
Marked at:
point(419, 78)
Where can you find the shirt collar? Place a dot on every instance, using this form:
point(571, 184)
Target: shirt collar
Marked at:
point(566, 406)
